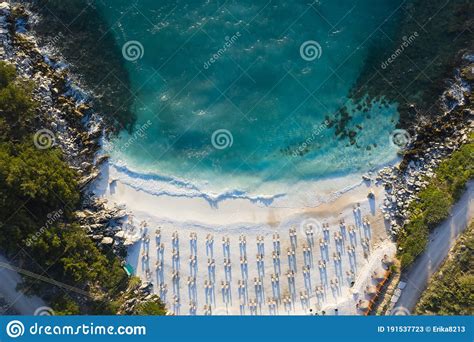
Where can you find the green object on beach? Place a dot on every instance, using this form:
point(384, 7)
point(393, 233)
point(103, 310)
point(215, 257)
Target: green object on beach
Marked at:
point(128, 269)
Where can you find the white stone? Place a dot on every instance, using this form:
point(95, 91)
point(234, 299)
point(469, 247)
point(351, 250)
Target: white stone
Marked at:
point(107, 241)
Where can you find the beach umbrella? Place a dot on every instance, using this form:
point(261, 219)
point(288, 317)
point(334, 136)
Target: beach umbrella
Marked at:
point(371, 290)
point(379, 275)
point(387, 260)
point(363, 305)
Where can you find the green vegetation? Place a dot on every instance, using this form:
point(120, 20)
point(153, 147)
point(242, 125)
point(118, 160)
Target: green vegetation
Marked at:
point(451, 289)
point(33, 183)
point(435, 201)
point(38, 195)
point(150, 309)
point(69, 255)
point(16, 107)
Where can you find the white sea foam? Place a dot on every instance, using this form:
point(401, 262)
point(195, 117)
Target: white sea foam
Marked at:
point(280, 194)
point(161, 185)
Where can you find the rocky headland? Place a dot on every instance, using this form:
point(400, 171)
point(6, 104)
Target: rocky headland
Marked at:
point(65, 119)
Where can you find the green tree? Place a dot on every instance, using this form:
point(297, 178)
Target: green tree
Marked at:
point(17, 108)
point(7, 74)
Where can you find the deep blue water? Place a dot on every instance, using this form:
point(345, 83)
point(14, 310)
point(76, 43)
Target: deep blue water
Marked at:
point(257, 88)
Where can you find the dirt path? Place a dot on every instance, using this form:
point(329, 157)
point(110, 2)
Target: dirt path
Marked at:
point(9, 280)
point(441, 241)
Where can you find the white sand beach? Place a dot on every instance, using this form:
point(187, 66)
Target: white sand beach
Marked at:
point(242, 257)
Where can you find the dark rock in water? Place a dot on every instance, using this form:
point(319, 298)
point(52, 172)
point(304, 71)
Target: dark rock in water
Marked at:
point(412, 109)
point(99, 56)
point(88, 179)
point(102, 159)
point(468, 72)
point(418, 94)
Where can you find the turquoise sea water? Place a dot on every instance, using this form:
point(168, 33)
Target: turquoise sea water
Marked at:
point(236, 67)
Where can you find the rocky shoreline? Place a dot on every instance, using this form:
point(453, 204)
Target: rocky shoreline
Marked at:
point(80, 33)
point(66, 120)
point(433, 141)
point(65, 110)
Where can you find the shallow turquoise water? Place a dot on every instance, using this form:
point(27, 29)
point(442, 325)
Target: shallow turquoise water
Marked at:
point(271, 102)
